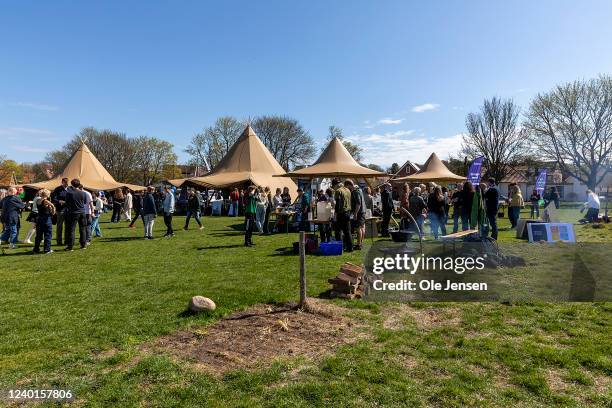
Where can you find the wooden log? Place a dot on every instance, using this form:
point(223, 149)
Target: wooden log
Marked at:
point(352, 270)
point(340, 282)
point(344, 289)
point(348, 278)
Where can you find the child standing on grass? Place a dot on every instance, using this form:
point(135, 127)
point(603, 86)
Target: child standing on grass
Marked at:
point(249, 215)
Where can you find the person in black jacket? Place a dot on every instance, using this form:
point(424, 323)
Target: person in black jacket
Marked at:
point(435, 211)
point(149, 212)
point(58, 198)
point(11, 212)
point(466, 208)
point(193, 208)
point(491, 198)
point(457, 201)
point(76, 200)
point(137, 202)
point(387, 209)
point(44, 225)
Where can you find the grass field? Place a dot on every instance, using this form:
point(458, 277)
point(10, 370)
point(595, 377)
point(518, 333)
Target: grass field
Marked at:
point(77, 320)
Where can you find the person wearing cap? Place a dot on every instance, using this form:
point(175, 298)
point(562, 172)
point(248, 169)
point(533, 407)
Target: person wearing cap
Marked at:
point(250, 210)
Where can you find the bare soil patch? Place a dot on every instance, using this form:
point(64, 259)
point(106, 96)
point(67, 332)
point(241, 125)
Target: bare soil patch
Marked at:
point(395, 317)
point(261, 334)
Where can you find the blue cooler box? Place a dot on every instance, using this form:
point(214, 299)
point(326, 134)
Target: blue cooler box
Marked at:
point(330, 248)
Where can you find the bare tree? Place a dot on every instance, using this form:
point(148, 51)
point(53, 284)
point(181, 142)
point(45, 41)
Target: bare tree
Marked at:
point(494, 133)
point(113, 149)
point(286, 139)
point(208, 148)
point(140, 160)
point(153, 158)
point(572, 125)
point(355, 150)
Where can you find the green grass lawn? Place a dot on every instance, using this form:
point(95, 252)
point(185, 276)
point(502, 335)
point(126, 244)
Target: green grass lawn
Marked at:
point(73, 320)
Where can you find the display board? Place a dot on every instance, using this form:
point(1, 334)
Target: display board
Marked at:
point(551, 232)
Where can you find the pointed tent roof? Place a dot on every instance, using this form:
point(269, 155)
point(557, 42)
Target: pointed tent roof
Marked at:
point(83, 165)
point(335, 161)
point(248, 160)
point(432, 170)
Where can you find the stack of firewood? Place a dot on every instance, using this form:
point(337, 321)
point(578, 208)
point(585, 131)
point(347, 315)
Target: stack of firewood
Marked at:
point(349, 282)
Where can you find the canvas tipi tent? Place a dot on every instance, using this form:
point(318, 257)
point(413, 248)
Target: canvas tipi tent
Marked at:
point(247, 161)
point(83, 165)
point(433, 170)
point(335, 161)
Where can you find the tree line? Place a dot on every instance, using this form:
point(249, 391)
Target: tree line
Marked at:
point(290, 144)
point(570, 125)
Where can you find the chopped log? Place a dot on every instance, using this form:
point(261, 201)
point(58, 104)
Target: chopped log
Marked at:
point(344, 289)
point(340, 282)
point(348, 278)
point(351, 270)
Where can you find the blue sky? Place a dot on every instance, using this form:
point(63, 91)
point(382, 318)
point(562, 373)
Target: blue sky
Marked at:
point(397, 76)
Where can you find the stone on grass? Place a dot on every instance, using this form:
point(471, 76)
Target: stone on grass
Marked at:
point(201, 303)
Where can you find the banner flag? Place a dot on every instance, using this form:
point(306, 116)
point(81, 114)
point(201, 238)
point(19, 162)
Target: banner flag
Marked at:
point(541, 182)
point(474, 171)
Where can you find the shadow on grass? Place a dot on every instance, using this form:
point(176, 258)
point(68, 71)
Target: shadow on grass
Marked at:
point(119, 239)
point(227, 234)
point(285, 251)
point(17, 253)
point(221, 246)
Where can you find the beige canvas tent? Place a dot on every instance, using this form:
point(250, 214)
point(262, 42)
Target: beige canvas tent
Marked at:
point(335, 161)
point(83, 165)
point(247, 161)
point(433, 170)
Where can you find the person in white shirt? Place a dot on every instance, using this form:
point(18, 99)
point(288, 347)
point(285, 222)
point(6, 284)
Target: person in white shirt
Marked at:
point(168, 211)
point(89, 209)
point(592, 205)
point(32, 218)
point(127, 206)
point(98, 209)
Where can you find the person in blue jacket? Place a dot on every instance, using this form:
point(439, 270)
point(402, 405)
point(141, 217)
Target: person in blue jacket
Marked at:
point(11, 212)
point(149, 212)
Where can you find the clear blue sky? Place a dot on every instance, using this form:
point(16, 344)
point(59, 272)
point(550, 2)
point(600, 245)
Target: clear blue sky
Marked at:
point(397, 76)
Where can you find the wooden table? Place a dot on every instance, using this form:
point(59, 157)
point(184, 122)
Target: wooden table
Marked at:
point(455, 236)
point(286, 215)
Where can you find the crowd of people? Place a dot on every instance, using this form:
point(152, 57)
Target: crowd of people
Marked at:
point(70, 206)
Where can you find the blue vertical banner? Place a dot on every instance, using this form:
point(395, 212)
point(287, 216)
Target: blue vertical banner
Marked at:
point(541, 182)
point(473, 175)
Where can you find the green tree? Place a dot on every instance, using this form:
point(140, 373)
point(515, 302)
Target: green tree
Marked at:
point(393, 169)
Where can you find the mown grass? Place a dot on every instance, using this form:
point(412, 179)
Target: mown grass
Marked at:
point(75, 320)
